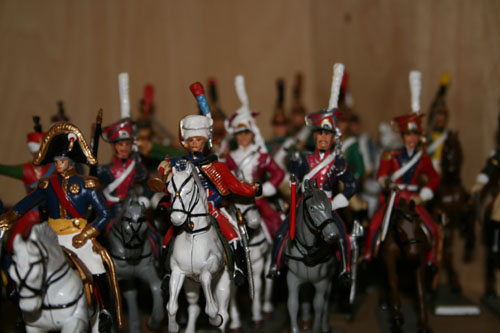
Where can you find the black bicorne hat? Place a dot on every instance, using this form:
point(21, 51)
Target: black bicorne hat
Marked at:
point(64, 139)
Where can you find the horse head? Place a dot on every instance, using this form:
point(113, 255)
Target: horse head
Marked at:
point(318, 212)
point(132, 221)
point(186, 192)
point(407, 231)
point(451, 156)
point(30, 265)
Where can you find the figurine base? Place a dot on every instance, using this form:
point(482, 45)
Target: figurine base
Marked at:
point(384, 319)
point(448, 303)
point(493, 304)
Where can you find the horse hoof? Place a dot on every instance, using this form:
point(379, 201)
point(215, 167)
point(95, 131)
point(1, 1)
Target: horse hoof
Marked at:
point(397, 321)
point(305, 325)
point(257, 324)
point(236, 330)
point(267, 315)
point(152, 325)
point(216, 321)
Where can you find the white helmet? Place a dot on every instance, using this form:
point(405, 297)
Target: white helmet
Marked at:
point(196, 125)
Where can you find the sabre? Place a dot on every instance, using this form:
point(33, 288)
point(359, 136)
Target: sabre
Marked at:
point(244, 241)
point(387, 214)
point(357, 232)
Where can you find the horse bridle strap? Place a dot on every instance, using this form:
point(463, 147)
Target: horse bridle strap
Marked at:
point(63, 306)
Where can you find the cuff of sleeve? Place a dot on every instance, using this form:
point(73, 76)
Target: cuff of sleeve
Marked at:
point(426, 194)
point(482, 178)
point(268, 189)
point(339, 201)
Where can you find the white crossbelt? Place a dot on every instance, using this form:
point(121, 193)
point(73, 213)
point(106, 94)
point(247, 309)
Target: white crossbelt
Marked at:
point(318, 167)
point(401, 171)
point(436, 143)
point(117, 182)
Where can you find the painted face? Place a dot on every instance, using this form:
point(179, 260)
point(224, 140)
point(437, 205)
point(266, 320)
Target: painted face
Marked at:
point(144, 140)
point(323, 140)
point(244, 138)
point(61, 164)
point(280, 130)
point(123, 149)
point(410, 140)
point(440, 121)
point(195, 144)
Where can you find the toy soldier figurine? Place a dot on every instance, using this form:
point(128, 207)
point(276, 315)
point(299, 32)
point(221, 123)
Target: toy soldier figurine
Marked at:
point(216, 178)
point(279, 121)
point(126, 169)
point(327, 167)
point(438, 119)
point(251, 163)
point(30, 174)
point(68, 196)
point(400, 171)
point(488, 178)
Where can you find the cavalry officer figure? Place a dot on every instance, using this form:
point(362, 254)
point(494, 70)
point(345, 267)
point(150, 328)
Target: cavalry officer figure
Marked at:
point(217, 180)
point(404, 168)
point(327, 167)
point(251, 163)
point(68, 196)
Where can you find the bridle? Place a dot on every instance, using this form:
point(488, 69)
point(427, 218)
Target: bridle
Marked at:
point(55, 276)
point(187, 224)
point(135, 241)
point(397, 238)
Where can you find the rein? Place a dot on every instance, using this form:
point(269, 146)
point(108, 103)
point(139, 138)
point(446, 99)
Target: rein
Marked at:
point(188, 225)
point(51, 279)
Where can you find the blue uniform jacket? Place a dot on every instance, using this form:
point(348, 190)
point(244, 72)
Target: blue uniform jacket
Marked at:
point(81, 191)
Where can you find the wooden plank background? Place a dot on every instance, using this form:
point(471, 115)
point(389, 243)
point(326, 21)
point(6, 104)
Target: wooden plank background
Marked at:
point(73, 50)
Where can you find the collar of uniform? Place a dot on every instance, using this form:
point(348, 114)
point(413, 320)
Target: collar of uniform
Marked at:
point(69, 172)
point(195, 156)
point(119, 161)
point(318, 153)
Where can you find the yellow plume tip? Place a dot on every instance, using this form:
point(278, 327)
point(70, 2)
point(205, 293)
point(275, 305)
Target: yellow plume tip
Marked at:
point(445, 79)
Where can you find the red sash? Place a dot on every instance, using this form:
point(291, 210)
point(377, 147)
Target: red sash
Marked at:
point(63, 197)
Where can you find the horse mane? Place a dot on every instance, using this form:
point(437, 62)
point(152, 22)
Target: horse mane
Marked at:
point(48, 237)
point(182, 165)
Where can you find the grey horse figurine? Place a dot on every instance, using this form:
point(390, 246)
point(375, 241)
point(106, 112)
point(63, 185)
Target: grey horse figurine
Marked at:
point(132, 248)
point(310, 256)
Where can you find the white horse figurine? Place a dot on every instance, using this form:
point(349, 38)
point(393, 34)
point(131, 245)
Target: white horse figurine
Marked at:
point(198, 253)
point(51, 294)
point(260, 256)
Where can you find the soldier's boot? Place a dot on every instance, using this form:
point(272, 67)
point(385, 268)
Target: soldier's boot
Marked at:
point(107, 310)
point(279, 238)
point(345, 278)
point(240, 270)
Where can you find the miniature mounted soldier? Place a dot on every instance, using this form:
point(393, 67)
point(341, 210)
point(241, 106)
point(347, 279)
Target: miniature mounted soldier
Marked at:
point(68, 196)
point(401, 171)
point(216, 178)
point(279, 121)
point(251, 162)
point(30, 174)
point(126, 170)
point(438, 120)
point(327, 167)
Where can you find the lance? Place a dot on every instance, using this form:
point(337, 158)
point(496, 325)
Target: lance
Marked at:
point(95, 141)
point(293, 189)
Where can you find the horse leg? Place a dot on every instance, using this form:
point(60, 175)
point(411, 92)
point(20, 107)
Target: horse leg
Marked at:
point(423, 324)
point(319, 302)
point(157, 313)
point(235, 325)
point(222, 294)
point(268, 307)
point(176, 281)
point(392, 279)
point(211, 305)
point(129, 291)
point(258, 269)
point(448, 259)
point(325, 325)
point(192, 290)
point(293, 300)
point(306, 306)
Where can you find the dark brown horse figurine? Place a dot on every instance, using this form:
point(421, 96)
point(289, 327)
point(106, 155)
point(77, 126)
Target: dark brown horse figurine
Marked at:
point(453, 207)
point(406, 243)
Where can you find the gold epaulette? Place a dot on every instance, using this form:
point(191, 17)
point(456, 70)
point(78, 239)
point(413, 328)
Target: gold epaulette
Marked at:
point(43, 183)
point(91, 182)
point(387, 155)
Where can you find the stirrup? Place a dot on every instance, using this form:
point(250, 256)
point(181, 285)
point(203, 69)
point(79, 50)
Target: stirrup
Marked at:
point(273, 273)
